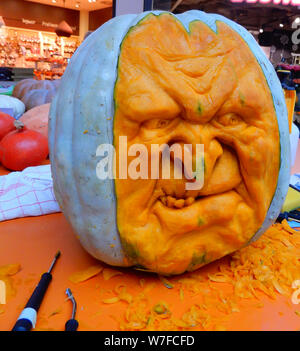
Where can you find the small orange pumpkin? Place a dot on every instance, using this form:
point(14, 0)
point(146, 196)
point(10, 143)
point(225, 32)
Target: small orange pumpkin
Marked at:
point(37, 119)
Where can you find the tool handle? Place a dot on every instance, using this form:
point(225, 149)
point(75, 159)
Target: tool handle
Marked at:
point(39, 292)
point(22, 324)
point(282, 216)
point(71, 325)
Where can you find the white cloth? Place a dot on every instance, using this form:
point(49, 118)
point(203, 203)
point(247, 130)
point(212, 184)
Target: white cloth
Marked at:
point(27, 193)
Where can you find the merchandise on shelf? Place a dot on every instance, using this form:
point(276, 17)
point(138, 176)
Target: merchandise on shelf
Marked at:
point(45, 52)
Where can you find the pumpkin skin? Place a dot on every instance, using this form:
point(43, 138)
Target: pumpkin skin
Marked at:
point(35, 92)
point(23, 148)
point(37, 97)
point(37, 119)
point(99, 211)
point(13, 103)
point(22, 87)
point(25, 85)
point(6, 124)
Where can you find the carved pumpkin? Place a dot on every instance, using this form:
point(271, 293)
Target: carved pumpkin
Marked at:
point(157, 78)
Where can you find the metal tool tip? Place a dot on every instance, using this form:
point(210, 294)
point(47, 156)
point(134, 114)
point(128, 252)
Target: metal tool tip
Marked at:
point(57, 254)
point(69, 292)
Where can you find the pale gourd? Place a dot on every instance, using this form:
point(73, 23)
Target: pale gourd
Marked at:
point(159, 78)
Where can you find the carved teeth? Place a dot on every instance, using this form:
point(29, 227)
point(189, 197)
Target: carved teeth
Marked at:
point(189, 201)
point(179, 203)
point(163, 199)
point(172, 202)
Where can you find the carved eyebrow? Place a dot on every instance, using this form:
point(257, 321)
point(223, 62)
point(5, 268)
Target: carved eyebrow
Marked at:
point(189, 77)
point(198, 66)
point(190, 46)
point(207, 72)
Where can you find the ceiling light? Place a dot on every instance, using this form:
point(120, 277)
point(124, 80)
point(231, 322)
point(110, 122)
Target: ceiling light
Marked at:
point(297, 20)
point(281, 25)
point(54, 1)
point(77, 5)
point(261, 30)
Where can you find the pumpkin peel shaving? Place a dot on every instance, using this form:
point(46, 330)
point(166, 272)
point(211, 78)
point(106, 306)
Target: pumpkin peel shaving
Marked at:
point(83, 275)
point(267, 266)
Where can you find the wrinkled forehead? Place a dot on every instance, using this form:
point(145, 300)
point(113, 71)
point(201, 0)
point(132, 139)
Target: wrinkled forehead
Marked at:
point(166, 69)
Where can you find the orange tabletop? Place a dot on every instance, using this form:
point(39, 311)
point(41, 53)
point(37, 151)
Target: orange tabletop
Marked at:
point(33, 242)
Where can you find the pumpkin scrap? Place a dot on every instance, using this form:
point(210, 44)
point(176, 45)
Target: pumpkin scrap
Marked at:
point(123, 294)
point(289, 229)
point(161, 308)
point(181, 294)
point(10, 269)
point(109, 273)
point(85, 274)
point(6, 273)
point(111, 300)
point(266, 266)
point(166, 282)
point(218, 277)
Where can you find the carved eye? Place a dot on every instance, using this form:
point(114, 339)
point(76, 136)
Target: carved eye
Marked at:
point(157, 123)
point(230, 119)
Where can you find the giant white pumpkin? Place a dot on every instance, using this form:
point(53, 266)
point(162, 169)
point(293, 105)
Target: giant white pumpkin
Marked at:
point(192, 78)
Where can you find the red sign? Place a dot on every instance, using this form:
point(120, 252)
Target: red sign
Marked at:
point(274, 2)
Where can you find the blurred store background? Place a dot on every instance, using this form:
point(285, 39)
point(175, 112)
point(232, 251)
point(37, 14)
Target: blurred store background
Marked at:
point(38, 37)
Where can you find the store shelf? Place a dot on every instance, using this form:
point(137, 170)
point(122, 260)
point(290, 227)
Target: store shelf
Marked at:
point(39, 51)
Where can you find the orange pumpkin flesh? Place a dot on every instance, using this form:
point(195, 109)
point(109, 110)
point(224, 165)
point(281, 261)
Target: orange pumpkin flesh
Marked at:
point(195, 88)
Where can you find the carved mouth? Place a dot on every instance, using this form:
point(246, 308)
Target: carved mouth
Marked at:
point(220, 178)
point(173, 202)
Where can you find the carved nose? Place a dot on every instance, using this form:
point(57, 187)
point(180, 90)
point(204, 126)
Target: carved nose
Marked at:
point(198, 162)
point(188, 161)
point(222, 172)
point(184, 160)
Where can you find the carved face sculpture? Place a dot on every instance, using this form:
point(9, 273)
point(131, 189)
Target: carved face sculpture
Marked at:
point(197, 87)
